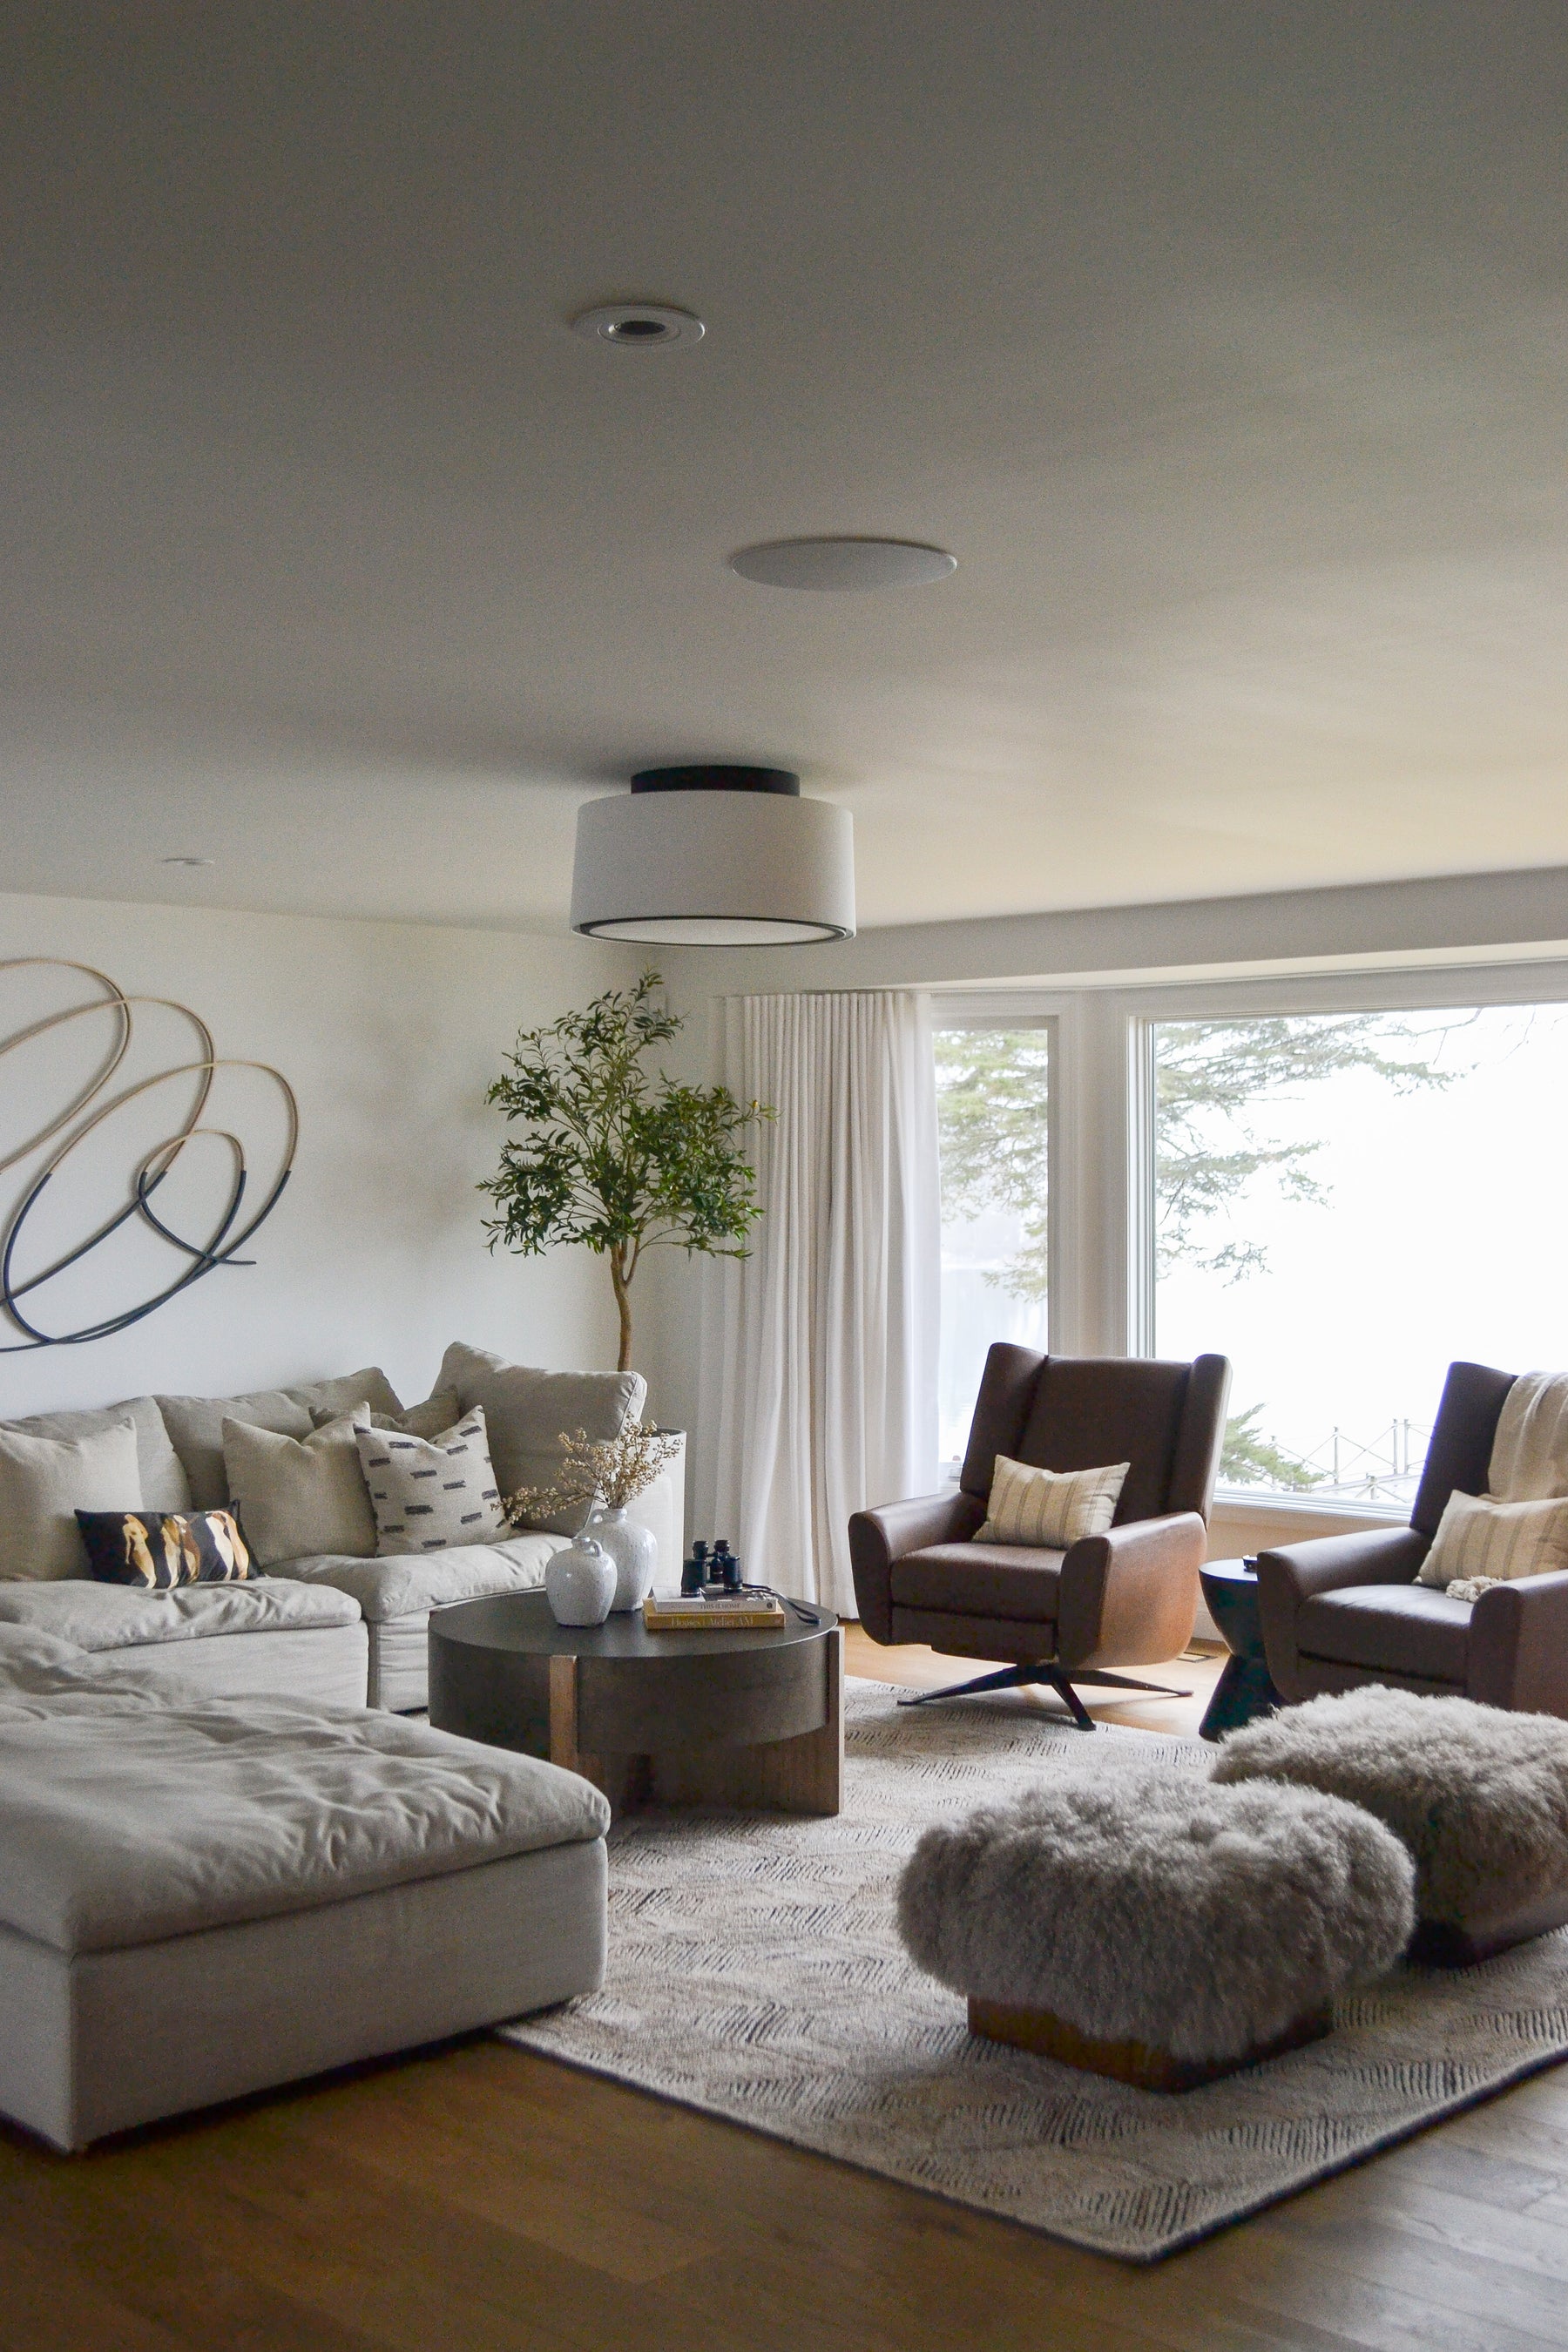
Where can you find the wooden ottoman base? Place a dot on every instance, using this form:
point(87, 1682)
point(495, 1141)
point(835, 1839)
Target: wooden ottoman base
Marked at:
point(1450, 1944)
point(1048, 2036)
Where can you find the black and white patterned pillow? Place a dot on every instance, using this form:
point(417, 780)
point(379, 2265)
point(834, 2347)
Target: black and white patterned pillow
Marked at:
point(431, 1494)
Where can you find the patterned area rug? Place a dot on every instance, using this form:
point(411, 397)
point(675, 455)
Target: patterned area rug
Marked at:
point(755, 1973)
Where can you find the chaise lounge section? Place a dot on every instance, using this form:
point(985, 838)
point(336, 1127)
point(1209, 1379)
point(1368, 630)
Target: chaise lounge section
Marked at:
point(199, 1900)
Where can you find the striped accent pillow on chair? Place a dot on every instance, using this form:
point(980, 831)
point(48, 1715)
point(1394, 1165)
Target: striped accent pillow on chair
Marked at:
point(1050, 1509)
point(1500, 1541)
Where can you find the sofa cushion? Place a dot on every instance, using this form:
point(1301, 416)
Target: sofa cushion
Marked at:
point(195, 1426)
point(125, 1821)
point(196, 1423)
point(100, 1617)
point(298, 1495)
point(411, 1584)
point(979, 1581)
point(430, 1419)
point(527, 1411)
point(164, 1487)
point(45, 1481)
point(1404, 1629)
point(342, 1393)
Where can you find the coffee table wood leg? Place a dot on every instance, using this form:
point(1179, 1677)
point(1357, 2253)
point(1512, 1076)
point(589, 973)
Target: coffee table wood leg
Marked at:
point(803, 1775)
point(623, 1779)
point(564, 1713)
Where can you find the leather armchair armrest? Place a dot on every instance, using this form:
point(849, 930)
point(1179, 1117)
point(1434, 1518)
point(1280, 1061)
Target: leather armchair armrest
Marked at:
point(878, 1538)
point(1518, 1645)
point(1129, 1598)
point(1295, 1573)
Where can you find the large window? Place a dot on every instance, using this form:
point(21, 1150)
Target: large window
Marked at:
point(1343, 1203)
point(993, 1112)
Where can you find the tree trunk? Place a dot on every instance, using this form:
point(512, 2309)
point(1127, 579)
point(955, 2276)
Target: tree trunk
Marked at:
point(624, 1302)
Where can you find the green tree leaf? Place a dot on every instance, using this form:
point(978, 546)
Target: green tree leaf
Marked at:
point(618, 1158)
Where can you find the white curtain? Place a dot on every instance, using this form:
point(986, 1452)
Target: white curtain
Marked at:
point(817, 1387)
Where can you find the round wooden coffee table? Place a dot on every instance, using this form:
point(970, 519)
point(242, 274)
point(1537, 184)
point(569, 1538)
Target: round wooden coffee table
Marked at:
point(751, 1719)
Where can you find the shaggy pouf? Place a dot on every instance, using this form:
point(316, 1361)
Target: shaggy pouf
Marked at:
point(1200, 1921)
point(1478, 1796)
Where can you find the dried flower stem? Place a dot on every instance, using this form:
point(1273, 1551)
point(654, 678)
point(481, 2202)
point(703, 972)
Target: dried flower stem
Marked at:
point(613, 1470)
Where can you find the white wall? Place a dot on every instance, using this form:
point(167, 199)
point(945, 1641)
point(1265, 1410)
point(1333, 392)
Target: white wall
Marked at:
point(389, 1033)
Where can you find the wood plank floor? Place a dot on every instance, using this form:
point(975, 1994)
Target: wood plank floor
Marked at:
point(480, 2199)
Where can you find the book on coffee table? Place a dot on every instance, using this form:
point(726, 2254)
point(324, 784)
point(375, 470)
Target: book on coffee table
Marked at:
point(688, 1613)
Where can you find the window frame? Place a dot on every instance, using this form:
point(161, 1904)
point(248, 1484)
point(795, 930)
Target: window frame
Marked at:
point(1023, 1012)
point(1102, 1160)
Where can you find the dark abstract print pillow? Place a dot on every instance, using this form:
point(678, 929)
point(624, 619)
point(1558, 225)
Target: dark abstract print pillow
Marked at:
point(160, 1549)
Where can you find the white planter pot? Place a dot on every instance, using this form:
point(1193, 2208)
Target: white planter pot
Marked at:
point(580, 1583)
point(634, 1551)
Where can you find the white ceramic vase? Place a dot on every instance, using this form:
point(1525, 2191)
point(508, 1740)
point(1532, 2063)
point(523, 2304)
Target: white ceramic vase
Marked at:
point(632, 1549)
point(580, 1582)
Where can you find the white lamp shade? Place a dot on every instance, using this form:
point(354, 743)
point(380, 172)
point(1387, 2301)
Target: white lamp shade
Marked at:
point(713, 869)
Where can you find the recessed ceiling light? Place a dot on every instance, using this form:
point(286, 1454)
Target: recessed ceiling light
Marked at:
point(639, 326)
point(843, 566)
point(186, 861)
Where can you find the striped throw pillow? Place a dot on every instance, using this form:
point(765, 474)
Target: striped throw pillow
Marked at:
point(1478, 1536)
point(1049, 1508)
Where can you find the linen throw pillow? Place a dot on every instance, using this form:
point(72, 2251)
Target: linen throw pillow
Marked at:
point(1478, 1536)
point(1052, 1509)
point(156, 1551)
point(298, 1496)
point(45, 1481)
point(164, 1487)
point(431, 1495)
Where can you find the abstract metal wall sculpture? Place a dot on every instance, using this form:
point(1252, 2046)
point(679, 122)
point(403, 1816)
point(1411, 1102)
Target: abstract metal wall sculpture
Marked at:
point(91, 1107)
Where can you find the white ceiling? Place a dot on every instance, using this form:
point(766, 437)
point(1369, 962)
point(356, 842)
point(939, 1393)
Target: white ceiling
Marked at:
point(1223, 344)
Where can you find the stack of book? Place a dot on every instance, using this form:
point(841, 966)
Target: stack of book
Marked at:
point(693, 1612)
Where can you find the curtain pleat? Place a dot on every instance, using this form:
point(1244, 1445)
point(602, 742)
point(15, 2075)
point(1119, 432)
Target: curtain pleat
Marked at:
point(817, 1386)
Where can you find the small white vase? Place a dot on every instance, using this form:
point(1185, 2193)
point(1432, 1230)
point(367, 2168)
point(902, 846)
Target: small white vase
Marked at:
point(580, 1583)
point(632, 1549)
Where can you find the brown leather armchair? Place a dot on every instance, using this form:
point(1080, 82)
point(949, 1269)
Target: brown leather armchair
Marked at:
point(1124, 1598)
point(1345, 1610)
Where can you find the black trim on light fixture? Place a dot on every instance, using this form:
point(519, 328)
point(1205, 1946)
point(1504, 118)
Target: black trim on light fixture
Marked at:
point(709, 778)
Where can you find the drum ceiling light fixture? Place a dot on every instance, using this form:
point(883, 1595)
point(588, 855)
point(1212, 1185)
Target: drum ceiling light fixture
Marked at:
point(714, 857)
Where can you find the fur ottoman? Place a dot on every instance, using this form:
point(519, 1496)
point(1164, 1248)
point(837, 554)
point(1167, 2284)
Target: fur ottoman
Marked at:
point(1478, 1796)
point(1158, 1930)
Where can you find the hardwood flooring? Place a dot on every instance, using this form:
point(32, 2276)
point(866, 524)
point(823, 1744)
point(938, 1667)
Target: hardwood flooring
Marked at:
point(477, 2199)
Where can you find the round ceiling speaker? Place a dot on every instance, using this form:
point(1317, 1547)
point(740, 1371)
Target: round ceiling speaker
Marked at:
point(714, 857)
point(639, 326)
point(844, 566)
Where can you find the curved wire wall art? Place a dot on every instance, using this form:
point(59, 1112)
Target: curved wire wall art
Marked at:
point(93, 1103)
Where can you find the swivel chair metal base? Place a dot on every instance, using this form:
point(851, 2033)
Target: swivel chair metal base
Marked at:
point(1015, 1677)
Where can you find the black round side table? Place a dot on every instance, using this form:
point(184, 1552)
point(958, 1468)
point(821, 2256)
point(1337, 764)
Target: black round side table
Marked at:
point(1244, 1689)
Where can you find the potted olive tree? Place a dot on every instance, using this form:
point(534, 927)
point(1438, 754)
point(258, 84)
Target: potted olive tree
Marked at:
point(613, 1156)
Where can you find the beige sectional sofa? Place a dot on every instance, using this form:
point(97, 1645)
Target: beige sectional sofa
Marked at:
point(199, 1900)
point(326, 1626)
